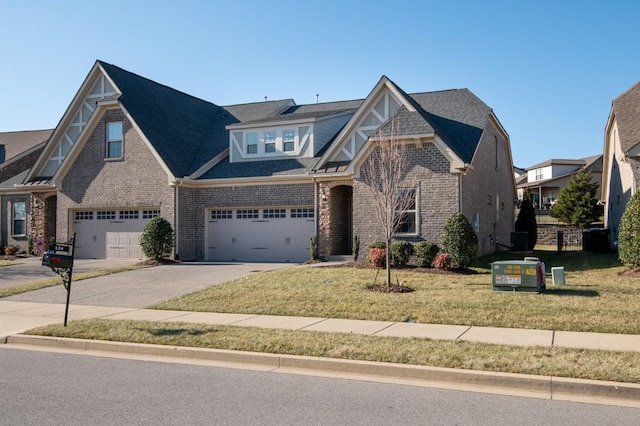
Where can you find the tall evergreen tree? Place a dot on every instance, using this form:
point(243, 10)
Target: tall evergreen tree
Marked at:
point(526, 221)
point(577, 203)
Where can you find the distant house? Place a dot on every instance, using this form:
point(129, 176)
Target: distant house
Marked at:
point(621, 169)
point(18, 152)
point(253, 182)
point(547, 179)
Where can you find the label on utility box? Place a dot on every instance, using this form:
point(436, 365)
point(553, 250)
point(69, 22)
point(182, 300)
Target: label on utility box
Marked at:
point(508, 279)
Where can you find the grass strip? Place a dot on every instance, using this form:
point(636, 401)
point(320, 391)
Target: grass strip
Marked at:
point(50, 282)
point(597, 298)
point(558, 362)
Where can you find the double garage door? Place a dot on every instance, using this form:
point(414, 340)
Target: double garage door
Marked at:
point(110, 233)
point(260, 235)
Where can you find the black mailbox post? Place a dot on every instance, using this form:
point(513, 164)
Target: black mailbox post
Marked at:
point(60, 260)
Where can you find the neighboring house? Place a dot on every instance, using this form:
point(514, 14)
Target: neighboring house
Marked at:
point(18, 152)
point(547, 179)
point(621, 170)
point(253, 182)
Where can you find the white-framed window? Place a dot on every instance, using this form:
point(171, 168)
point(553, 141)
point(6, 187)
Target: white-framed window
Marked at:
point(221, 214)
point(150, 214)
point(129, 214)
point(288, 140)
point(305, 212)
point(274, 213)
point(84, 215)
point(247, 214)
point(269, 141)
point(19, 213)
point(114, 140)
point(409, 214)
point(539, 174)
point(106, 215)
point(252, 143)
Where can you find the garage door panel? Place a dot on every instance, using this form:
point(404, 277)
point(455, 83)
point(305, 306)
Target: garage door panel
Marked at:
point(273, 239)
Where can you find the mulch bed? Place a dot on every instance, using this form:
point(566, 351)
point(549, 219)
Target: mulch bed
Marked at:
point(390, 289)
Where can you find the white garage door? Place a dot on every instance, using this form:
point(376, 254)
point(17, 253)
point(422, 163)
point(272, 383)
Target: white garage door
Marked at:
point(260, 235)
point(110, 233)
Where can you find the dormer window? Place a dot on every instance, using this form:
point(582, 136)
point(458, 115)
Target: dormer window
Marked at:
point(270, 141)
point(252, 143)
point(539, 174)
point(288, 140)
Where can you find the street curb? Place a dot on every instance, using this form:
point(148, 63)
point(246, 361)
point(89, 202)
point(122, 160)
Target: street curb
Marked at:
point(593, 391)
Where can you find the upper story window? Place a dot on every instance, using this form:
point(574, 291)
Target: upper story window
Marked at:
point(539, 174)
point(288, 140)
point(19, 212)
point(114, 139)
point(270, 141)
point(252, 143)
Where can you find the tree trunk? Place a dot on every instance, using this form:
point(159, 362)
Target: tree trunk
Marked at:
point(388, 255)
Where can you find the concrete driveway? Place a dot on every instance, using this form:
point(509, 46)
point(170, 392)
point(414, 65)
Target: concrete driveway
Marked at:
point(131, 289)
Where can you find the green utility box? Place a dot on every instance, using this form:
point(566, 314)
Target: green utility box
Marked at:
point(518, 275)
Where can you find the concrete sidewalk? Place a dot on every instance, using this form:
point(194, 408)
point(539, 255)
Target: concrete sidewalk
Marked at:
point(16, 317)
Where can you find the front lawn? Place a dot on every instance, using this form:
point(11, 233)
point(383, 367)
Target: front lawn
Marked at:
point(596, 298)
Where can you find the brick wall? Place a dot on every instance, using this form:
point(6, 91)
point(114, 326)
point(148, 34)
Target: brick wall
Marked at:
point(137, 180)
point(487, 190)
point(437, 197)
point(19, 166)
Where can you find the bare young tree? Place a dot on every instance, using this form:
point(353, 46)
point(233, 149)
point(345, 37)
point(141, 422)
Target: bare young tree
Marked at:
point(392, 192)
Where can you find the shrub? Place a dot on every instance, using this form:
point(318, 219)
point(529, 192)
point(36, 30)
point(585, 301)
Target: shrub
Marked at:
point(11, 250)
point(356, 248)
point(460, 241)
point(156, 241)
point(313, 247)
point(442, 261)
point(425, 253)
point(377, 244)
point(378, 257)
point(629, 234)
point(401, 252)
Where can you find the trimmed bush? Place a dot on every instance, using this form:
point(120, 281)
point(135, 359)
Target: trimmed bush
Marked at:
point(526, 221)
point(378, 257)
point(460, 241)
point(629, 234)
point(156, 241)
point(425, 253)
point(377, 244)
point(401, 252)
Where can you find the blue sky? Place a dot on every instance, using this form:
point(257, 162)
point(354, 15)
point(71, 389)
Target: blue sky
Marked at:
point(548, 68)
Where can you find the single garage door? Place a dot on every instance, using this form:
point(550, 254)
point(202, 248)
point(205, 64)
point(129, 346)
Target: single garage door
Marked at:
point(110, 233)
point(260, 235)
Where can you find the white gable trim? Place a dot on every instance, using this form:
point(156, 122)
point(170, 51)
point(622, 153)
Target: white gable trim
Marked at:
point(79, 109)
point(345, 140)
point(209, 164)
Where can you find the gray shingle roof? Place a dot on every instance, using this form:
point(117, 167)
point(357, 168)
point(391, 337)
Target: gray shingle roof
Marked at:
point(279, 167)
point(257, 110)
point(185, 131)
point(16, 143)
point(627, 113)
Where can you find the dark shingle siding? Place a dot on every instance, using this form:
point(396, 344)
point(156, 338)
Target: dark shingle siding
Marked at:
point(627, 114)
point(247, 169)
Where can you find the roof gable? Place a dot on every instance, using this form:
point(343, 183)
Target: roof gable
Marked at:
point(17, 143)
point(626, 108)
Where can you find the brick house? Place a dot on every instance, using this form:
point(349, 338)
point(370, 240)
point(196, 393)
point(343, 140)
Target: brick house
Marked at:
point(621, 168)
point(18, 152)
point(253, 182)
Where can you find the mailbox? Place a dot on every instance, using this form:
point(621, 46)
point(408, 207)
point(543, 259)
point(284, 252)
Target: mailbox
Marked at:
point(55, 260)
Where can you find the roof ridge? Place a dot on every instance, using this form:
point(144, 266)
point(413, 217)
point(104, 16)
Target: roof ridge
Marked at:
point(102, 63)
